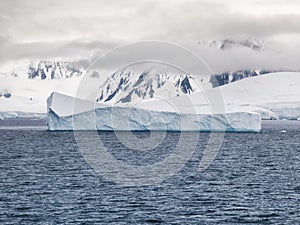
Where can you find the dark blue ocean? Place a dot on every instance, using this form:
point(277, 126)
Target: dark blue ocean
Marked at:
point(254, 179)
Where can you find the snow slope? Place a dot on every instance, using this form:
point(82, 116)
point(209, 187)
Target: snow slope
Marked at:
point(30, 95)
point(25, 86)
point(274, 96)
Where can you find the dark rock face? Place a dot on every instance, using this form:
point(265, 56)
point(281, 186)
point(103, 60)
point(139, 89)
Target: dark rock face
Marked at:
point(229, 77)
point(124, 86)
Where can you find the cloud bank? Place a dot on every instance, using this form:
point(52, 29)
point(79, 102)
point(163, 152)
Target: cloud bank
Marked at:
point(74, 29)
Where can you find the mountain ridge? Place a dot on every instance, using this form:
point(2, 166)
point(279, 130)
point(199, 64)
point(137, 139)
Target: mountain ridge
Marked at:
point(128, 86)
point(229, 43)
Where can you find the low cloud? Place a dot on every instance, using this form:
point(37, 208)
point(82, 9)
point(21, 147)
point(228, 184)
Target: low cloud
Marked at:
point(79, 30)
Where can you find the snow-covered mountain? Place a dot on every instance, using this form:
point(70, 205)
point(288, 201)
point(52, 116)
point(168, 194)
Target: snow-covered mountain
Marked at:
point(228, 43)
point(48, 70)
point(127, 86)
point(53, 70)
point(45, 70)
point(273, 96)
point(26, 86)
point(230, 77)
point(42, 70)
point(220, 79)
point(27, 92)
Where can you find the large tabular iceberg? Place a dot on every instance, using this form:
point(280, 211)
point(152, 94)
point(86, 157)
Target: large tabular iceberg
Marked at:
point(68, 113)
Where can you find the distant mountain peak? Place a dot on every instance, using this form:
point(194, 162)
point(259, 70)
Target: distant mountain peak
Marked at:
point(52, 70)
point(44, 70)
point(228, 43)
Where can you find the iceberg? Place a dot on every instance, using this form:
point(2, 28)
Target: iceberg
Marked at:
point(70, 113)
point(17, 114)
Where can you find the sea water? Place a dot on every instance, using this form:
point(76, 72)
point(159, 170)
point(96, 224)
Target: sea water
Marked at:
point(45, 179)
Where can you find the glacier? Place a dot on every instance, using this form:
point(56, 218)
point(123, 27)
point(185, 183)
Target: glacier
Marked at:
point(63, 114)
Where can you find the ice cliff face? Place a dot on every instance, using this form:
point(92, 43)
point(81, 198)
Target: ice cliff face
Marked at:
point(105, 117)
point(136, 119)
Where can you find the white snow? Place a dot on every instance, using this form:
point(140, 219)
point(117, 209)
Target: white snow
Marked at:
point(30, 95)
point(273, 96)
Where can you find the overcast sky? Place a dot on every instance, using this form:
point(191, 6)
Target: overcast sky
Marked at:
point(35, 29)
